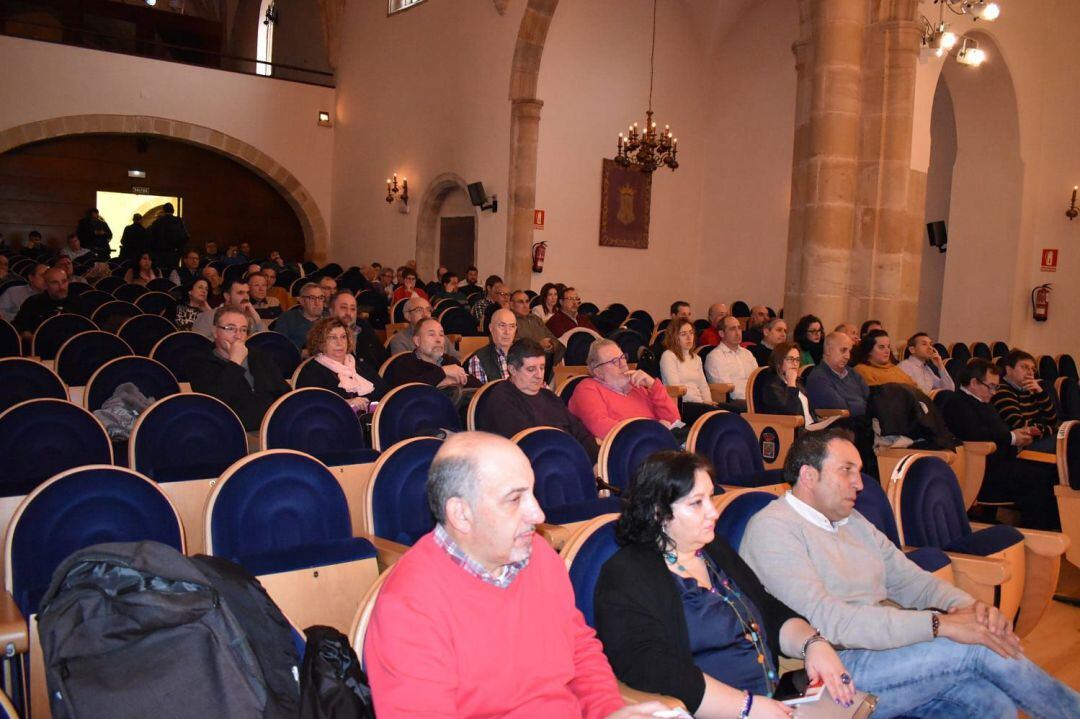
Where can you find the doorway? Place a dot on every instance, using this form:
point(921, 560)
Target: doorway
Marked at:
point(118, 208)
point(457, 243)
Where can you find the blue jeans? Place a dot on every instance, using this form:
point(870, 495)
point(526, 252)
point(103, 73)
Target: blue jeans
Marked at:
point(942, 679)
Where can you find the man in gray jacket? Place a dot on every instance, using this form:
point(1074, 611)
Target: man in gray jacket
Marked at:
point(933, 650)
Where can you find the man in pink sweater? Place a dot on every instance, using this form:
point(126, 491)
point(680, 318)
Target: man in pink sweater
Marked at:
point(615, 392)
point(478, 618)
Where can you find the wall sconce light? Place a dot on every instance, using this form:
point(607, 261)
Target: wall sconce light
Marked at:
point(324, 119)
point(392, 190)
point(970, 53)
point(1072, 212)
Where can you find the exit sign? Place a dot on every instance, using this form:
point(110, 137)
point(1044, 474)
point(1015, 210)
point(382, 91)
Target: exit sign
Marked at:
point(140, 190)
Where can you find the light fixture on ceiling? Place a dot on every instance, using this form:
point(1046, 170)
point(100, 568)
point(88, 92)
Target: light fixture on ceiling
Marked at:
point(324, 119)
point(151, 3)
point(940, 40)
point(137, 174)
point(648, 149)
point(970, 53)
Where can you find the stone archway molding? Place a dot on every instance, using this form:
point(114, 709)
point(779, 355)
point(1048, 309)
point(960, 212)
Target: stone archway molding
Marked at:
point(427, 221)
point(316, 235)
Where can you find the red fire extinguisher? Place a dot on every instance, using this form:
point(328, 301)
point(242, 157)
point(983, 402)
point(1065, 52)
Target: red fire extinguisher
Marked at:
point(1040, 302)
point(539, 249)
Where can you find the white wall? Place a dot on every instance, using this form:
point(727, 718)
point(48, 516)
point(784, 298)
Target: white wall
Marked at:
point(44, 81)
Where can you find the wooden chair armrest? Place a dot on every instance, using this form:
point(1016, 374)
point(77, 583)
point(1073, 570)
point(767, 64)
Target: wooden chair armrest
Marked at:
point(676, 390)
point(454, 339)
point(555, 534)
point(633, 696)
point(1041, 542)
point(982, 449)
point(14, 636)
point(386, 551)
point(1033, 456)
point(782, 420)
point(979, 575)
point(720, 391)
point(825, 413)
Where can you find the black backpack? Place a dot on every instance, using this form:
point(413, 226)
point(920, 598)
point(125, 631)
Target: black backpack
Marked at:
point(332, 684)
point(139, 630)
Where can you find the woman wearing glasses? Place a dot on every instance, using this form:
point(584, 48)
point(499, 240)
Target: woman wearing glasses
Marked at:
point(781, 390)
point(810, 336)
point(334, 366)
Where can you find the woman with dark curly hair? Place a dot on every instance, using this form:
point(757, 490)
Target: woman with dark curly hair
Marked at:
point(335, 366)
point(810, 336)
point(681, 614)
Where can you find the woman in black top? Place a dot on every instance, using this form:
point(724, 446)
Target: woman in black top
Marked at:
point(810, 336)
point(680, 613)
point(779, 390)
point(335, 366)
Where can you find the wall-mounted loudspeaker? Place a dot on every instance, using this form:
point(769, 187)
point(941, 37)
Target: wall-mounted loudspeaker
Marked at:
point(936, 233)
point(479, 198)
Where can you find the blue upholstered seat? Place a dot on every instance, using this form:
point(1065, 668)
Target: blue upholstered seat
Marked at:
point(129, 292)
point(397, 312)
point(630, 342)
point(152, 378)
point(981, 350)
point(279, 511)
point(399, 506)
point(932, 513)
point(1048, 371)
point(318, 422)
point(585, 568)
point(10, 343)
point(186, 436)
point(143, 332)
point(175, 350)
point(873, 504)
point(627, 445)
point(22, 379)
point(285, 354)
point(457, 321)
point(111, 315)
point(729, 443)
point(55, 331)
point(959, 351)
point(42, 437)
point(160, 284)
point(412, 410)
point(108, 284)
point(1067, 367)
point(77, 509)
point(998, 349)
point(92, 299)
point(588, 308)
point(566, 389)
point(85, 353)
point(619, 311)
point(1069, 435)
point(739, 308)
point(157, 303)
point(737, 514)
point(565, 486)
point(577, 347)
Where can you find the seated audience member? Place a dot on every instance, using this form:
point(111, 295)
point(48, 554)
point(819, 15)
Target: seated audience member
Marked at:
point(489, 362)
point(874, 361)
point(523, 402)
point(933, 650)
point(759, 315)
point(244, 378)
point(731, 363)
point(236, 294)
point(549, 302)
point(850, 330)
point(335, 367)
point(281, 294)
point(64, 262)
point(385, 283)
point(781, 390)
point(408, 286)
point(266, 306)
point(188, 271)
point(970, 416)
point(428, 362)
point(531, 326)
point(614, 392)
point(868, 327)
point(680, 365)
point(1023, 401)
point(710, 337)
point(489, 298)
point(681, 614)
point(832, 384)
point(773, 333)
point(296, 323)
point(328, 285)
point(501, 294)
point(188, 311)
point(470, 286)
point(245, 251)
point(680, 310)
point(449, 291)
point(35, 248)
point(809, 334)
point(54, 300)
point(478, 618)
point(73, 248)
point(142, 271)
point(567, 317)
point(417, 309)
point(233, 256)
point(211, 253)
point(368, 347)
point(925, 365)
point(213, 278)
point(13, 297)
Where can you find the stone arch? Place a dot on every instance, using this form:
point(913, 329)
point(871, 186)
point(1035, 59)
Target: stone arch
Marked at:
point(427, 221)
point(316, 235)
point(524, 135)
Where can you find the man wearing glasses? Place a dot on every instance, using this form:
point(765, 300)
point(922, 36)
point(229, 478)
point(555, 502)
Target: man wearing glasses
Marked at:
point(240, 376)
point(295, 323)
point(615, 392)
point(237, 294)
point(972, 418)
point(417, 309)
point(567, 317)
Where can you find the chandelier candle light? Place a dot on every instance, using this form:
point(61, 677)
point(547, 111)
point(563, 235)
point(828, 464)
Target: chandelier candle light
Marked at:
point(648, 149)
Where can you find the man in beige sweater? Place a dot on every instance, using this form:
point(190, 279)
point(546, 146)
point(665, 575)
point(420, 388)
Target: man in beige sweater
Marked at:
point(934, 650)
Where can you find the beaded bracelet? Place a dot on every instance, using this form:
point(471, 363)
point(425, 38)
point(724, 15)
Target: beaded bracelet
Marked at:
point(747, 704)
point(935, 624)
point(815, 637)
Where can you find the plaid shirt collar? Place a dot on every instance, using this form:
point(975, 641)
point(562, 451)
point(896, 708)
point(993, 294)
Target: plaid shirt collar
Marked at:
point(474, 568)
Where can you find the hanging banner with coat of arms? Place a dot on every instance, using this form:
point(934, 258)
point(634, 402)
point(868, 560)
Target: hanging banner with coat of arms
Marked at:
point(625, 198)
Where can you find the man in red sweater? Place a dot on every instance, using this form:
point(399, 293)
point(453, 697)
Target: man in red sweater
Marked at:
point(478, 618)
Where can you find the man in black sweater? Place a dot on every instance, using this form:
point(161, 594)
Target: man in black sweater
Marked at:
point(970, 416)
point(54, 300)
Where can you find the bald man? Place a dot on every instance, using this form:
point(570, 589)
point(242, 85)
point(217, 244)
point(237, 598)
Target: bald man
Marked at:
point(850, 330)
point(833, 384)
point(417, 309)
point(711, 336)
point(759, 315)
point(489, 363)
point(53, 301)
point(437, 644)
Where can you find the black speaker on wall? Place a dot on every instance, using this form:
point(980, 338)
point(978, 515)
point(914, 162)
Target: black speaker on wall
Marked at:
point(937, 234)
point(479, 198)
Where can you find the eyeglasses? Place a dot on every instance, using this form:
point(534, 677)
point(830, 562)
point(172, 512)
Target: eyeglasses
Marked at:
point(234, 329)
point(619, 360)
point(792, 359)
point(991, 387)
point(416, 309)
point(313, 298)
point(815, 332)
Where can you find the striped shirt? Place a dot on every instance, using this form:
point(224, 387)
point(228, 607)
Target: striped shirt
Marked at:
point(471, 566)
point(1021, 408)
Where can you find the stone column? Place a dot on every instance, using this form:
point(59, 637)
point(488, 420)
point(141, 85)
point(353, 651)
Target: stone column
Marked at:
point(524, 136)
point(800, 156)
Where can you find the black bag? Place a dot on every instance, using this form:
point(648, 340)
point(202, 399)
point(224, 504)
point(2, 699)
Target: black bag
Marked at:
point(332, 684)
point(139, 630)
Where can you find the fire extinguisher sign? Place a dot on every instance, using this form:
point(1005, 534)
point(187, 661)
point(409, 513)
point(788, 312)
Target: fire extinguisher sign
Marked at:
point(1049, 260)
point(538, 219)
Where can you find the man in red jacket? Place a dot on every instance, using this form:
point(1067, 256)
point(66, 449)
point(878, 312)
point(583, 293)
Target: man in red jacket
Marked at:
point(478, 618)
